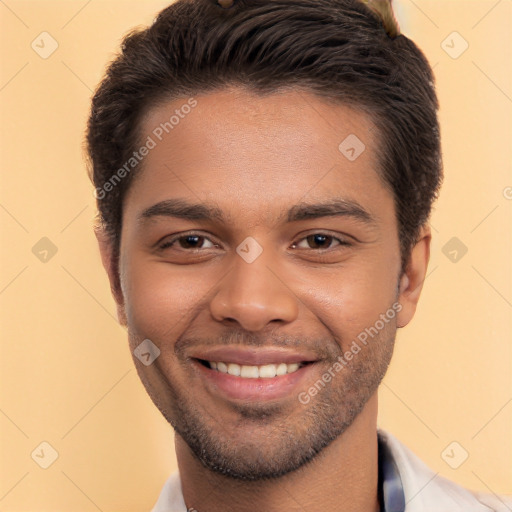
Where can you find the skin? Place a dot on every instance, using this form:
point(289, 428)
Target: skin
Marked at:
point(254, 158)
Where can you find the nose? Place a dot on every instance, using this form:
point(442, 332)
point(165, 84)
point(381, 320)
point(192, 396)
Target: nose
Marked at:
point(254, 295)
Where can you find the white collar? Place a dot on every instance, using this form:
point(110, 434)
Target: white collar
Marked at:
point(424, 490)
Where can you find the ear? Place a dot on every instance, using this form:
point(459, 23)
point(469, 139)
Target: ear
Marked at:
point(111, 265)
point(411, 281)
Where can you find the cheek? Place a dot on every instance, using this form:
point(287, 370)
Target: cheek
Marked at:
point(351, 299)
point(160, 301)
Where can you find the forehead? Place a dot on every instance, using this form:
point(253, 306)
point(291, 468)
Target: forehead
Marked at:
point(255, 153)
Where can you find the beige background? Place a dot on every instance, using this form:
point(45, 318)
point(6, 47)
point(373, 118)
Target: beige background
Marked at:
point(67, 377)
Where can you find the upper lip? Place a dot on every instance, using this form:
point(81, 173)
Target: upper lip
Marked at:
point(253, 356)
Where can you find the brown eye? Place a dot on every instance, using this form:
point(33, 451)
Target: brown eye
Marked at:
point(191, 241)
point(319, 241)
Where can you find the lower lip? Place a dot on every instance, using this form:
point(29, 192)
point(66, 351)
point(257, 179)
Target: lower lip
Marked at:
point(239, 388)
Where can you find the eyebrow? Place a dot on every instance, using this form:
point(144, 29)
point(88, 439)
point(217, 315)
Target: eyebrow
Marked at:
point(332, 208)
point(181, 209)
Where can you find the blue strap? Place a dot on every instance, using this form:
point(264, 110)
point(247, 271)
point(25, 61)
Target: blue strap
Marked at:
point(391, 490)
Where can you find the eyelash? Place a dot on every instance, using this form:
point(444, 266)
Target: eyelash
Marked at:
point(341, 241)
point(175, 239)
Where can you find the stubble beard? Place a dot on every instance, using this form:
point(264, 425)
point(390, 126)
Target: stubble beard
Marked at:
point(269, 440)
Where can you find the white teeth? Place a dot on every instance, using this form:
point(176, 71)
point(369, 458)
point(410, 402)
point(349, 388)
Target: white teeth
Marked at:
point(234, 369)
point(249, 372)
point(293, 367)
point(282, 369)
point(266, 371)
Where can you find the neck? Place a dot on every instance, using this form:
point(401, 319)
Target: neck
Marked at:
point(343, 477)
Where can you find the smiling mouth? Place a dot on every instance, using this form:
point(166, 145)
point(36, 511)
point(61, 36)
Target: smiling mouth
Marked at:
point(266, 371)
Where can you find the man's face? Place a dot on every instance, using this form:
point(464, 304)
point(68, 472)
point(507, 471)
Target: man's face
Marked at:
point(199, 289)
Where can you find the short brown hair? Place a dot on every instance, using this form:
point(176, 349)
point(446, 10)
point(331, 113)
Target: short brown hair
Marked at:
point(341, 50)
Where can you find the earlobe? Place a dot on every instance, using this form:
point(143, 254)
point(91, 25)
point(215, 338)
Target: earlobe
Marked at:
point(111, 266)
point(411, 281)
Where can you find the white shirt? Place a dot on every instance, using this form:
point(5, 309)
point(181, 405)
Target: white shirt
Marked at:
point(424, 490)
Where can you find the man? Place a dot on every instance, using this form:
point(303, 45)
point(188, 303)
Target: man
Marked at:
point(265, 173)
